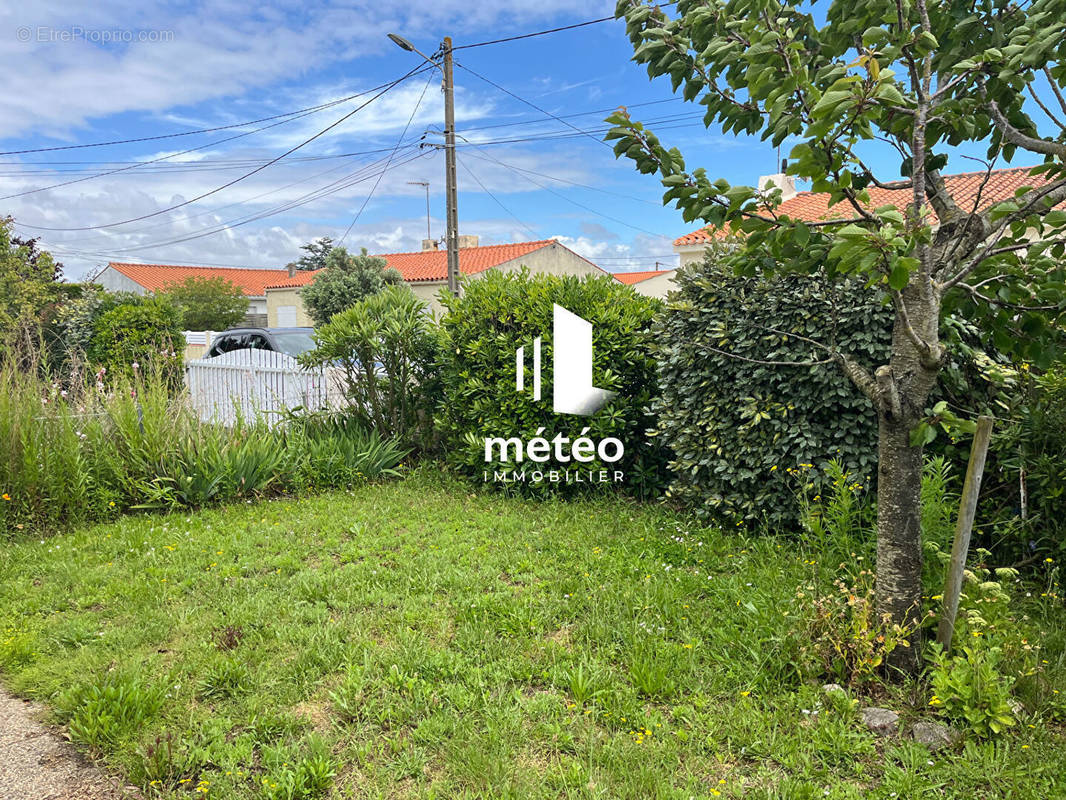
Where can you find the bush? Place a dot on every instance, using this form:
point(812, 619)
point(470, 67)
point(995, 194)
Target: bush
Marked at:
point(735, 426)
point(345, 280)
point(386, 347)
point(502, 312)
point(207, 304)
point(1028, 454)
point(129, 336)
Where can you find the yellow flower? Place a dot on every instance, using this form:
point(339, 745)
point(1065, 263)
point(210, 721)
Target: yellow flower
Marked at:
point(6, 496)
point(744, 694)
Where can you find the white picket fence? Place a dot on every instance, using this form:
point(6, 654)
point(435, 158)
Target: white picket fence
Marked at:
point(249, 383)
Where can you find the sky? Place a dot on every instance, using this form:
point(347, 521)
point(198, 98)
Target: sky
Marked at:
point(120, 70)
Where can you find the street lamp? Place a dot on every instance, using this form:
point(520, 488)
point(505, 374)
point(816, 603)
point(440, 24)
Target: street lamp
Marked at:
point(451, 236)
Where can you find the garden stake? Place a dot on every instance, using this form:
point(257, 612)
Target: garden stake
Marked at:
point(967, 510)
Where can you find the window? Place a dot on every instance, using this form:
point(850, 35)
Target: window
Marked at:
point(286, 316)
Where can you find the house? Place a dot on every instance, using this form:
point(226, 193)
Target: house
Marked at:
point(145, 278)
point(426, 272)
point(969, 189)
point(653, 283)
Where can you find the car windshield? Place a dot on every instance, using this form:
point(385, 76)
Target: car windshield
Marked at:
point(294, 342)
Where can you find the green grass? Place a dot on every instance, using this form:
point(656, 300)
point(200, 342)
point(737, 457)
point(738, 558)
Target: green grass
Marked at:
point(413, 639)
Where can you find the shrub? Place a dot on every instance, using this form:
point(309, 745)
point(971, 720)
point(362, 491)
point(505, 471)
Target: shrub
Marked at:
point(129, 336)
point(207, 304)
point(345, 280)
point(502, 312)
point(1028, 456)
point(735, 423)
point(386, 348)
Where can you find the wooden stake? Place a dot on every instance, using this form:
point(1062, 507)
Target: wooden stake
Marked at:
point(963, 528)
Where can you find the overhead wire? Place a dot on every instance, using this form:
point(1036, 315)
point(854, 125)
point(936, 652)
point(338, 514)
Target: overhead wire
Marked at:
point(392, 155)
point(360, 107)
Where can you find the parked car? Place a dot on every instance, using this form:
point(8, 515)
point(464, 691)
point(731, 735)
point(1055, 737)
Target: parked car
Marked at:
point(292, 341)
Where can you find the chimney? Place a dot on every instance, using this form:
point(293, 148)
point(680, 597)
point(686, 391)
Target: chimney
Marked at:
point(429, 244)
point(292, 270)
point(468, 240)
point(786, 183)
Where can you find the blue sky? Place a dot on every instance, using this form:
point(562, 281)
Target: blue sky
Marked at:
point(206, 64)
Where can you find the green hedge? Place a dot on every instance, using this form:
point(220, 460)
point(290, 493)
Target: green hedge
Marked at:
point(740, 431)
point(502, 312)
point(148, 332)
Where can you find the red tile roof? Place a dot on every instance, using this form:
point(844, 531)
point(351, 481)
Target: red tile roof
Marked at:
point(964, 187)
point(636, 277)
point(432, 265)
point(154, 277)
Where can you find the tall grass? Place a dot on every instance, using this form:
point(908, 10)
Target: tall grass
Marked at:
point(91, 448)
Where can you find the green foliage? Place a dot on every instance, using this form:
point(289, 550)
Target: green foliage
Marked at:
point(84, 450)
point(387, 348)
point(207, 304)
point(969, 687)
point(316, 254)
point(1028, 452)
point(344, 280)
point(502, 312)
point(736, 428)
point(29, 287)
point(131, 336)
point(453, 625)
point(102, 713)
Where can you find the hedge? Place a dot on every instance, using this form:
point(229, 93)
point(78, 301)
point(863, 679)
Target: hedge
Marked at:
point(501, 312)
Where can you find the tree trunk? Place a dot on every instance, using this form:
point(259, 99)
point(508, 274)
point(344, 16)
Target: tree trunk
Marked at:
point(903, 388)
point(899, 537)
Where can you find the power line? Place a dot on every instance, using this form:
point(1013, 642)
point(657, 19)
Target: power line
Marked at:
point(138, 164)
point(567, 181)
point(499, 202)
point(546, 32)
point(392, 155)
point(317, 194)
point(531, 104)
point(309, 109)
point(575, 202)
point(307, 141)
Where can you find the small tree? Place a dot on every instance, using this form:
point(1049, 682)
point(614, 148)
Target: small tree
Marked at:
point(345, 280)
point(316, 254)
point(386, 347)
point(923, 79)
point(29, 286)
point(207, 304)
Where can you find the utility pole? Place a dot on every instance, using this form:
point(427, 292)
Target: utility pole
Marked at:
point(451, 236)
point(425, 185)
point(451, 191)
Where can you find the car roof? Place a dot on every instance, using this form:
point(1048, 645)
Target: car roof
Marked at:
point(265, 330)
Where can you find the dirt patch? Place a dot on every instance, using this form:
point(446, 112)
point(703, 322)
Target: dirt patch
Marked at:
point(37, 763)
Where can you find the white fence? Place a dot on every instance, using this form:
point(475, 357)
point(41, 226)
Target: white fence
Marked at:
point(246, 383)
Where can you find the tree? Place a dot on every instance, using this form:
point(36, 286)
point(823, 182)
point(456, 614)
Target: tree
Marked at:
point(29, 286)
point(922, 80)
point(139, 336)
point(207, 304)
point(344, 281)
point(317, 253)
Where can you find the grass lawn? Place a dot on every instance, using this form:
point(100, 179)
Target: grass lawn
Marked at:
point(412, 639)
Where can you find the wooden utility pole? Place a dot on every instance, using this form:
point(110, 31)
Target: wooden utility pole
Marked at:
point(451, 191)
point(963, 528)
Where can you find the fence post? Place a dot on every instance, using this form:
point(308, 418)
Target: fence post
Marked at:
point(971, 488)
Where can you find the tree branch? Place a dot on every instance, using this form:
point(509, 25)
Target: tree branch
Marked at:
point(1022, 140)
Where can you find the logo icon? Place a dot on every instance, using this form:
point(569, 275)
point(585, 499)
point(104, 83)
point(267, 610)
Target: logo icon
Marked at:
point(572, 389)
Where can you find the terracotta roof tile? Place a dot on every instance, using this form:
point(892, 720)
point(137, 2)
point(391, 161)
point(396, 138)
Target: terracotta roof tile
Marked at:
point(154, 277)
point(964, 187)
point(636, 277)
point(432, 265)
